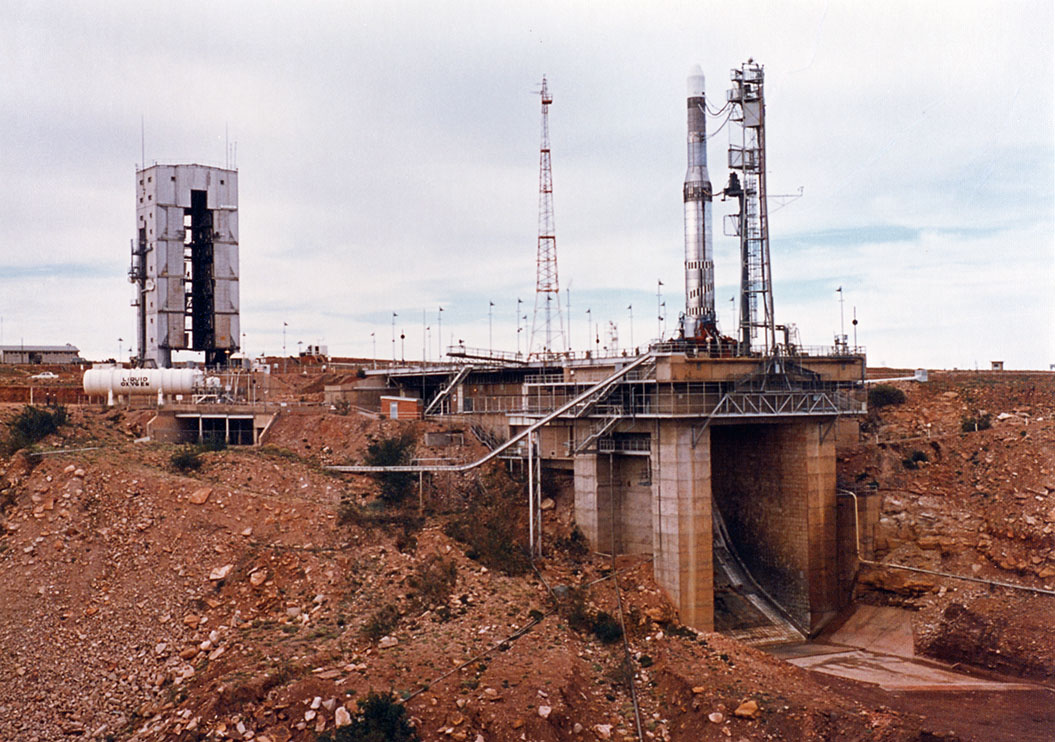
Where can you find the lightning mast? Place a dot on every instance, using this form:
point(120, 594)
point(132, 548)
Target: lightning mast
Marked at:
point(747, 156)
point(545, 337)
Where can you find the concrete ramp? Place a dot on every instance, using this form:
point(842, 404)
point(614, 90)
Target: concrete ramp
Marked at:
point(882, 629)
point(742, 609)
point(874, 645)
point(894, 673)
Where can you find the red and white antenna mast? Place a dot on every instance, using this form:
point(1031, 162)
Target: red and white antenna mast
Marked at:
point(547, 333)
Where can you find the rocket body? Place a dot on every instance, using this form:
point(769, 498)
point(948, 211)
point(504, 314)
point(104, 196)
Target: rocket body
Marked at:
point(699, 255)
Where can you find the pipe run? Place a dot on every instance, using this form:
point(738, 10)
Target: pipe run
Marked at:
point(921, 570)
point(512, 441)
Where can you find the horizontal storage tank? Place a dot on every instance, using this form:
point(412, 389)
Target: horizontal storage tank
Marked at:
point(120, 382)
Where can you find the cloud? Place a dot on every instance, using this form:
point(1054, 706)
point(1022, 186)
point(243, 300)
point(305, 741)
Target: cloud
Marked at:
point(387, 167)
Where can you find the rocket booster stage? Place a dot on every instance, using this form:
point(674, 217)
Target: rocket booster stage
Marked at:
point(699, 256)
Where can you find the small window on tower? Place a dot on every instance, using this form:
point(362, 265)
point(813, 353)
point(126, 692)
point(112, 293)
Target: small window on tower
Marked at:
point(221, 181)
point(173, 179)
point(150, 179)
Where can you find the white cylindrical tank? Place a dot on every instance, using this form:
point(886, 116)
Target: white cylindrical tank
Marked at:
point(141, 381)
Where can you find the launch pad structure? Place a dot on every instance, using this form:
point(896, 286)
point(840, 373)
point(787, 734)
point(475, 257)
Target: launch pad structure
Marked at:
point(714, 455)
point(711, 454)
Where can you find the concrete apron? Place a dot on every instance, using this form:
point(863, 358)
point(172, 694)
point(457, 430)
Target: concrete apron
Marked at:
point(875, 646)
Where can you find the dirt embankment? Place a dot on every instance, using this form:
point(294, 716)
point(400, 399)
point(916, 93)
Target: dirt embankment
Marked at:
point(231, 602)
point(965, 469)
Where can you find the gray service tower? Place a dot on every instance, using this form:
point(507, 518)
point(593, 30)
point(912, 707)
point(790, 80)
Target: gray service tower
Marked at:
point(185, 263)
point(699, 318)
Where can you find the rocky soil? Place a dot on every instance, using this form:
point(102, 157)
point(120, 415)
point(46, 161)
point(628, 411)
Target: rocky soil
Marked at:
point(974, 502)
point(260, 596)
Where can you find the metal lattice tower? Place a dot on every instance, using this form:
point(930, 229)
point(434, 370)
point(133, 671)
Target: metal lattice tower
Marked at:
point(747, 156)
point(547, 333)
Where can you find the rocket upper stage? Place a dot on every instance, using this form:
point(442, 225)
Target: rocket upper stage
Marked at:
point(696, 82)
point(699, 260)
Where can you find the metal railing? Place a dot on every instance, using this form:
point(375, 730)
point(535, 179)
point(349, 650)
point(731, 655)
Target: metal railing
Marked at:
point(696, 350)
point(624, 445)
point(786, 403)
point(698, 399)
point(464, 351)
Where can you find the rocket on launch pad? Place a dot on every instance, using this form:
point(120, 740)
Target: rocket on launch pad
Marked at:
point(699, 319)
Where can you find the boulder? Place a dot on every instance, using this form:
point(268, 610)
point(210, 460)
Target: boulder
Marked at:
point(221, 572)
point(341, 717)
point(747, 710)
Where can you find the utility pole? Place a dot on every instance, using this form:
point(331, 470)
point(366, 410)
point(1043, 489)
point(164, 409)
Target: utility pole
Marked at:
point(373, 340)
point(490, 328)
point(589, 330)
point(439, 344)
point(567, 295)
point(394, 315)
point(630, 308)
point(659, 310)
point(519, 302)
point(842, 320)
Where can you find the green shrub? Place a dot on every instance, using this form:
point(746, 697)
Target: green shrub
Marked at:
point(33, 424)
point(489, 527)
point(976, 422)
point(573, 609)
point(186, 459)
point(575, 544)
point(396, 450)
point(913, 461)
point(433, 581)
point(214, 441)
point(376, 515)
point(382, 623)
point(607, 628)
point(381, 718)
point(884, 395)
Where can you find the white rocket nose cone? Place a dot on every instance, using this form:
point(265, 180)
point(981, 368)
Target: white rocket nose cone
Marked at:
point(696, 82)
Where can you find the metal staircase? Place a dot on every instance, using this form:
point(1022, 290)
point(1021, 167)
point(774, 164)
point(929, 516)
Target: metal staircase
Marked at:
point(601, 430)
point(445, 392)
point(640, 368)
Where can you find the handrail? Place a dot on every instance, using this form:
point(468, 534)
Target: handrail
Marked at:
point(512, 441)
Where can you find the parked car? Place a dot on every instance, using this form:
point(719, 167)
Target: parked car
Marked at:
point(45, 376)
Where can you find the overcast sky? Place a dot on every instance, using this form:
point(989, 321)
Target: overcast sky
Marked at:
point(388, 162)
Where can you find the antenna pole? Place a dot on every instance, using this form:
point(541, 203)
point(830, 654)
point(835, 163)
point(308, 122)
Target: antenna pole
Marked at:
point(547, 290)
